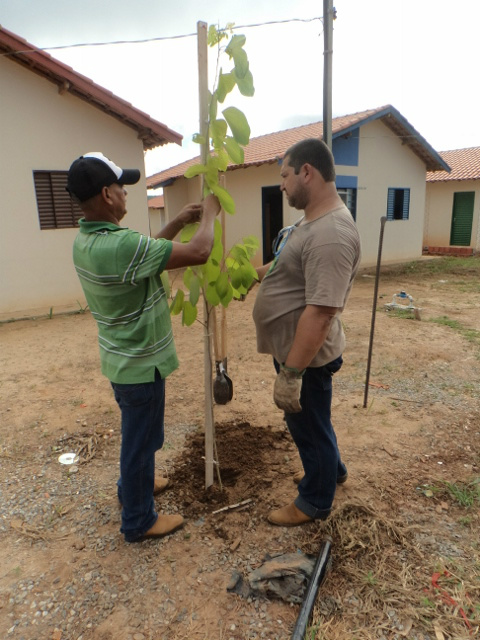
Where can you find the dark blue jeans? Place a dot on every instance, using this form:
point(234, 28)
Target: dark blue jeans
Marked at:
point(313, 433)
point(142, 406)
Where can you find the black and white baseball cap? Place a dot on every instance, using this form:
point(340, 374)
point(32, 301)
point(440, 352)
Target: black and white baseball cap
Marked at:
point(91, 172)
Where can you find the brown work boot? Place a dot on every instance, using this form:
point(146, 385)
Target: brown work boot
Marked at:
point(298, 477)
point(288, 516)
point(159, 485)
point(163, 526)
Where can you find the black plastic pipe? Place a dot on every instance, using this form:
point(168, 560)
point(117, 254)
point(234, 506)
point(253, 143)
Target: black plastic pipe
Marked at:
point(317, 577)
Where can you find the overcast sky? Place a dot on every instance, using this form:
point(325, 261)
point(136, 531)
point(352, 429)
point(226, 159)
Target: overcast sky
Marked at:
point(418, 55)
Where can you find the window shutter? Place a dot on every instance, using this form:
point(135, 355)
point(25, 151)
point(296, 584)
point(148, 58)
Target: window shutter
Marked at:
point(43, 190)
point(406, 204)
point(390, 204)
point(56, 210)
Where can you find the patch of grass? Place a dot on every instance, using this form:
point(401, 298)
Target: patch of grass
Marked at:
point(465, 494)
point(370, 578)
point(471, 335)
point(447, 266)
point(427, 603)
point(406, 314)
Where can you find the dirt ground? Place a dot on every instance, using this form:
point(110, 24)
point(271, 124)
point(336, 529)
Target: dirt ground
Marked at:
point(405, 555)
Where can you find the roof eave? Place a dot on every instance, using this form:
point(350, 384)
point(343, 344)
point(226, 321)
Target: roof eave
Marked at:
point(151, 132)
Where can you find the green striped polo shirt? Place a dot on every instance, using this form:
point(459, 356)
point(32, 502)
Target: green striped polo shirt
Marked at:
point(119, 270)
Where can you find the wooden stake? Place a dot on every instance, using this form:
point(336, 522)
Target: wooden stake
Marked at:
point(207, 351)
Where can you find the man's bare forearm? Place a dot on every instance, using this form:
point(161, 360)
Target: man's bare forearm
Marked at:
point(312, 331)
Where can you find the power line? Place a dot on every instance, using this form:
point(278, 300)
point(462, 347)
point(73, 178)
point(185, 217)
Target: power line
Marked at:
point(157, 39)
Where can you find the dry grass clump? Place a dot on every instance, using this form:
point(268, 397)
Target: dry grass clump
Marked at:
point(382, 585)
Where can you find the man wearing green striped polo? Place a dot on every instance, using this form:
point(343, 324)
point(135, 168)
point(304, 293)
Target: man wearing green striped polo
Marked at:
point(119, 270)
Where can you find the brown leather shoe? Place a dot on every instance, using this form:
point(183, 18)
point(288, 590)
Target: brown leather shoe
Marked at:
point(159, 485)
point(288, 516)
point(163, 526)
point(298, 477)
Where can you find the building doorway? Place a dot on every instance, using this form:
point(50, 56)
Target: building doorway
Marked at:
point(462, 219)
point(272, 219)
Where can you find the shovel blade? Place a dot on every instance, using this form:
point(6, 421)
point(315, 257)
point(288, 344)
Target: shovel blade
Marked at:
point(222, 385)
point(221, 390)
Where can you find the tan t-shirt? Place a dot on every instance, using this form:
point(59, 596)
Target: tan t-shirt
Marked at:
point(316, 266)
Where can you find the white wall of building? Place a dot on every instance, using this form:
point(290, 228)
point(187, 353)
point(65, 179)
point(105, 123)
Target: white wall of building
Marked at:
point(385, 163)
point(439, 207)
point(42, 129)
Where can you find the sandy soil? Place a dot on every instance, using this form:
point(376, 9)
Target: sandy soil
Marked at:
point(66, 573)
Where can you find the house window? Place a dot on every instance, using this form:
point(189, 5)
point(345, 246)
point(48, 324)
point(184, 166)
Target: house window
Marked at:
point(349, 197)
point(398, 204)
point(56, 210)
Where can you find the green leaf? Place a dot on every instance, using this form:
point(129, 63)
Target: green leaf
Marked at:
point(241, 64)
point(234, 150)
point(213, 36)
point(199, 139)
point(238, 124)
point(212, 271)
point(177, 303)
point(236, 42)
point(166, 282)
point(248, 276)
point(194, 289)
point(239, 253)
point(211, 175)
point(189, 314)
point(226, 83)
point(218, 162)
point(211, 294)
point(227, 298)
point(218, 129)
point(216, 254)
point(188, 274)
point(224, 198)
point(221, 284)
point(217, 231)
point(252, 241)
point(195, 170)
point(236, 277)
point(245, 84)
point(188, 231)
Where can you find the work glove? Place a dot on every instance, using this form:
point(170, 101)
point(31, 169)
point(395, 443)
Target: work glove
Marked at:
point(286, 390)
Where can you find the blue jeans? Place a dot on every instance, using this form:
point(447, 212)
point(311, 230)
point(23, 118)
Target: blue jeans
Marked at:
point(313, 433)
point(142, 406)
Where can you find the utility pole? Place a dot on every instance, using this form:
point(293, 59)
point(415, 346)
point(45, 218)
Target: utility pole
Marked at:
point(327, 71)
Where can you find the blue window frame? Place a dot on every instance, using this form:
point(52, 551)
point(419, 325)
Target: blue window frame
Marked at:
point(398, 204)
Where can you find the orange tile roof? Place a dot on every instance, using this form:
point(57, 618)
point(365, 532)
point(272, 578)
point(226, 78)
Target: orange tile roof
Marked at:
point(156, 202)
point(152, 132)
point(268, 148)
point(465, 164)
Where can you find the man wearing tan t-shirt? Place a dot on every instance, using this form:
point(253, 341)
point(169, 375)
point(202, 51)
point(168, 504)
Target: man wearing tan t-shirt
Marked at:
point(297, 315)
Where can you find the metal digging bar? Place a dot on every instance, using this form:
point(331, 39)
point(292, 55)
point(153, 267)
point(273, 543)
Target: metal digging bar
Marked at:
point(383, 219)
point(318, 576)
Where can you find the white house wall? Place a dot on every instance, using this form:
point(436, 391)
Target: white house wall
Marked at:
point(439, 207)
point(385, 163)
point(43, 130)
